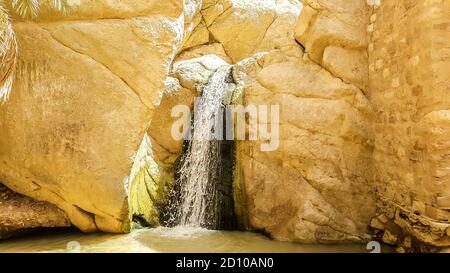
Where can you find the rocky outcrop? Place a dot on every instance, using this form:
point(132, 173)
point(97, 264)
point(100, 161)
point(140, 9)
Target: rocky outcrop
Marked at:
point(20, 214)
point(70, 137)
point(316, 186)
point(245, 27)
point(86, 89)
point(363, 125)
point(334, 36)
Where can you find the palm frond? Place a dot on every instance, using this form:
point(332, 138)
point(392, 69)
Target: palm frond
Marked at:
point(31, 8)
point(60, 5)
point(8, 55)
point(26, 8)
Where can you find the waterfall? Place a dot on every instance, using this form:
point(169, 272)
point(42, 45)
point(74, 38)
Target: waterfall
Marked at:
point(195, 203)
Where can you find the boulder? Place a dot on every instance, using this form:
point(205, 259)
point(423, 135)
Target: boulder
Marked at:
point(334, 34)
point(315, 187)
point(19, 213)
point(84, 96)
point(246, 27)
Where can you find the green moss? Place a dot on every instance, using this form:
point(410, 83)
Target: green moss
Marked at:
point(237, 97)
point(148, 193)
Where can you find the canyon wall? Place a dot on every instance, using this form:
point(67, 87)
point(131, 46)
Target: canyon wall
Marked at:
point(391, 139)
point(85, 92)
point(316, 187)
point(362, 88)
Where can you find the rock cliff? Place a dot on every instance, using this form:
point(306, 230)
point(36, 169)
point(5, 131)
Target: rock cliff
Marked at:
point(86, 89)
point(362, 88)
point(19, 214)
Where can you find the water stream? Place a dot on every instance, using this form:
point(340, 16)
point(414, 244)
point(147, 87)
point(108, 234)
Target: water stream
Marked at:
point(198, 176)
point(172, 240)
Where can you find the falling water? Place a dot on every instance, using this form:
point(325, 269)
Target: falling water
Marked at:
point(199, 170)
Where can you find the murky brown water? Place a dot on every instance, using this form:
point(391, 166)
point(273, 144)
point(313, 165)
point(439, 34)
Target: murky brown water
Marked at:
point(163, 240)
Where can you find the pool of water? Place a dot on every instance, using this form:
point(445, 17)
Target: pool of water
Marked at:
point(189, 240)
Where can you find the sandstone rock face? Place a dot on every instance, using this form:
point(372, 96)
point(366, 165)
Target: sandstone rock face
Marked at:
point(165, 148)
point(334, 35)
point(409, 90)
point(202, 50)
point(348, 64)
point(194, 73)
point(70, 137)
point(19, 213)
point(246, 27)
point(362, 89)
point(112, 9)
point(316, 186)
point(84, 96)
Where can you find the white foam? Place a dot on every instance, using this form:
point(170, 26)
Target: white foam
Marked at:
point(180, 232)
